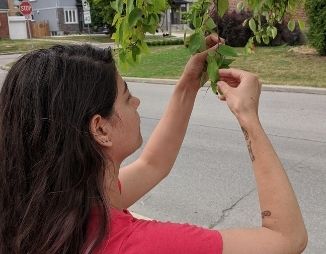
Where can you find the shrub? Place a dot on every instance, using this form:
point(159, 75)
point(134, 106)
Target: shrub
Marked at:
point(231, 28)
point(316, 12)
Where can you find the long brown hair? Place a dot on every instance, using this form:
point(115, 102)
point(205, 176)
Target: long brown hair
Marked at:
point(51, 169)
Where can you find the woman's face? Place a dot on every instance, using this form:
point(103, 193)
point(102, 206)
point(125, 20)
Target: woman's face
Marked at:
point(126, 136)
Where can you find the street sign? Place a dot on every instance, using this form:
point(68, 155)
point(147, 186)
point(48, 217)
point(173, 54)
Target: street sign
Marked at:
point(86, 6)
point(87, 17)
point(25, 8)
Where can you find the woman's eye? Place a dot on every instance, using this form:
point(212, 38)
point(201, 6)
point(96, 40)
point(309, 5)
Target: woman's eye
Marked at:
point(129, 96)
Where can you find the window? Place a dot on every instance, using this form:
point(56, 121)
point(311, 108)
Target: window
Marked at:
point(71, 16)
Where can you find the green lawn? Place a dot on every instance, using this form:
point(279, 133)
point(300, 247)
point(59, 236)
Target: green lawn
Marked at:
point(10, 46)
point(275, 65)
point(83, 38)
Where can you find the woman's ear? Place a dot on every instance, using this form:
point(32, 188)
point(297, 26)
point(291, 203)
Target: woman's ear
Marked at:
point(101, 130)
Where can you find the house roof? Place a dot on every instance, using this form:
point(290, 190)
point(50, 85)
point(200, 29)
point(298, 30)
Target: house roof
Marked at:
point(3, 5)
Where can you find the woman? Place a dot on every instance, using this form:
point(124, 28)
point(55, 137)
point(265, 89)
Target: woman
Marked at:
point(68, 120)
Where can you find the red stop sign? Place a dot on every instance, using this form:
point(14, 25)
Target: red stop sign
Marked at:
point(25, 8)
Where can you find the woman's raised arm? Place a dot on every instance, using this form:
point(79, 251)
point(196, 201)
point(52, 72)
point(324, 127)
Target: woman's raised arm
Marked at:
point(282, 230)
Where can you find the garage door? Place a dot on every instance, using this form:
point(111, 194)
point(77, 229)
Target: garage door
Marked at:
point(17, 27)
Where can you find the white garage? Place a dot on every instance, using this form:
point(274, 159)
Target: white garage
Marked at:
point(17, 27)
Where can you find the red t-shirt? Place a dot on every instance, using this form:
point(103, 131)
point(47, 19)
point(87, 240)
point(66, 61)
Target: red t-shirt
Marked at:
point(129, 235)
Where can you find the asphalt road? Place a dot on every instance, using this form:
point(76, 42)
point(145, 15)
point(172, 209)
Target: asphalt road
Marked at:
point(212, 183)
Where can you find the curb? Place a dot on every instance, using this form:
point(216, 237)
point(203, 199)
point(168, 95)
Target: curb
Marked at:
point(265, 87)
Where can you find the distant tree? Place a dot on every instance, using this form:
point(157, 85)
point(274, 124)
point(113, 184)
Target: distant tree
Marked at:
point(316, 12)
point(102, 13)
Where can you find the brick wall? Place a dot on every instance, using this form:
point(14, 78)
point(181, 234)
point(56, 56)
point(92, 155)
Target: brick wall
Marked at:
point(4, 29)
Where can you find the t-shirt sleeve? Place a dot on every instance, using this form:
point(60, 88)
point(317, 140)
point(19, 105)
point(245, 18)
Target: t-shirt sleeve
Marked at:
point(168, 238)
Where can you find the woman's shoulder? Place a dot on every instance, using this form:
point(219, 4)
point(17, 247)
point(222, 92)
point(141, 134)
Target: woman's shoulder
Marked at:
point(131, 235)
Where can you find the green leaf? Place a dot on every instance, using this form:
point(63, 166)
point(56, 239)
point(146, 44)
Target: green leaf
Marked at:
point(144, 47)
point(197, 22)
point(240, 6)
point(266, 39)
point(120, 31)
point(226, 62)
point(120, 5)
point(258, 38)
point(130, 6)
point(135, 52)
point(245, 22)
point(225, 50)
point(115, 19)
point(151, 29)
point(302, 24)
point(223, 6)
point(252, 25)
point(159, 5)
point(114, 6)
point(291, 25)
point(197, 42)
point(210, 24)
point(212, 69)
point(214, 87)
point(134, 16)
point(274, 32)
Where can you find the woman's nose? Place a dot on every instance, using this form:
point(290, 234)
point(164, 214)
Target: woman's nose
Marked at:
point(137, 102)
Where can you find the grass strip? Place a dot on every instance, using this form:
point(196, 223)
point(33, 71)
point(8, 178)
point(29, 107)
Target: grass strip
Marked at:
point(274, 65)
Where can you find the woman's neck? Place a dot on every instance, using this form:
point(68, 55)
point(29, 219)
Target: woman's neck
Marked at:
point(112, 188)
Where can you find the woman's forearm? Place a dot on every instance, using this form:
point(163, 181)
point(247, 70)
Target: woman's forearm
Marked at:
point(279, 206)
point(165, 142)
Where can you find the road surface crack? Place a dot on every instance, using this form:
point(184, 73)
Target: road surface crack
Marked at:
point(226, 210)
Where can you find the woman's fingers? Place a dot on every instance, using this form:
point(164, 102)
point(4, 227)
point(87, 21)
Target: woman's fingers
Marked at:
point(231, 73)
point(223, 88)
point(213, 40)
point(231, 81)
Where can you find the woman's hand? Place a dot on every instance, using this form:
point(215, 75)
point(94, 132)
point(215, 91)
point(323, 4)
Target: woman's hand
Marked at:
point(241, 90)
point(196, 65)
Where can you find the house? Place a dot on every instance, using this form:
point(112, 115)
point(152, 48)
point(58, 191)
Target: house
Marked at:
point(63, 16)
point(4, 26)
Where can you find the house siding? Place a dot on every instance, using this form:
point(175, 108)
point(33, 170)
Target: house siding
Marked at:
point(48, 14)
point(53, 12)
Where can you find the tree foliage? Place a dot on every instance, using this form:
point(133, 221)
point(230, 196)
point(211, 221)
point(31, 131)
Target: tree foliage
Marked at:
point(272, 12)
point(316, 11)
point(134, 18)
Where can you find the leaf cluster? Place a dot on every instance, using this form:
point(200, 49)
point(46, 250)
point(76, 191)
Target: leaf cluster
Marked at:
point(133, 19)
point(273, 12)
point(221, 58)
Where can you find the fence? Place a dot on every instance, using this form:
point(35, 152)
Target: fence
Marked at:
point(40, 29)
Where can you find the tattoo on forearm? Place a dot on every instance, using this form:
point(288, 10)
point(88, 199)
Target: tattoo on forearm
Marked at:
point(245, 132)
point(265, 214)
